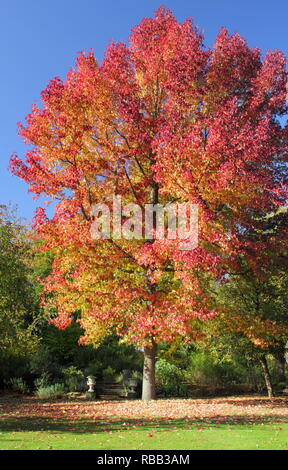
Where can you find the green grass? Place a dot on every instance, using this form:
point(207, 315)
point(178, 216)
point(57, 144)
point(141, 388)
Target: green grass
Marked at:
point(176, 437)
point(42, 428)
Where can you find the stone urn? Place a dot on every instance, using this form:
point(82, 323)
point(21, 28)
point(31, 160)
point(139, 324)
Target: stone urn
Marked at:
point(91, 383)
point(132, 384)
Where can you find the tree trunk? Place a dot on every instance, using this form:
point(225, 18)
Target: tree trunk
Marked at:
point(267, 376)
point(149, 388)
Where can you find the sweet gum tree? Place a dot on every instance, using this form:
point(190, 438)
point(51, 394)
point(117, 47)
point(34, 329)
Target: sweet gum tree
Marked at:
point(162, 119)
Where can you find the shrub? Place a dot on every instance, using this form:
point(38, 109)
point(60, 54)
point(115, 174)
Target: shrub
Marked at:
point(17, 384)
point(206, 370)
point(202, 370)
point(168, 374)
point(169, 380)
point(73, 378)
point(109, 373)
point(44, 362)
point(94, 368)
point(51, 391)
point(43, 381)
point(173, 390)
point(281, 385)
point(135, 374)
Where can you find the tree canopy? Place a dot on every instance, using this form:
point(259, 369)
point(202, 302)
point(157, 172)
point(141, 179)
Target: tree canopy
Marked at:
point(161, 119)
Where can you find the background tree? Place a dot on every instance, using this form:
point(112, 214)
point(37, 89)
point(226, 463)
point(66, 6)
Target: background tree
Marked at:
point(256, 312)
point(18, 299)
point(162, 119)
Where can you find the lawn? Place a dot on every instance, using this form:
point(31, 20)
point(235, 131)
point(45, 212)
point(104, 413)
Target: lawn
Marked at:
point(254, 423)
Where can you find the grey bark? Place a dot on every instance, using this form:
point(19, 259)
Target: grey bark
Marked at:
point(267, 376)
point(149, 387)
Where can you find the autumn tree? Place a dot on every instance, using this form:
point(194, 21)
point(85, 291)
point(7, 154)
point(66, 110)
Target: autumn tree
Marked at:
point(160, 120)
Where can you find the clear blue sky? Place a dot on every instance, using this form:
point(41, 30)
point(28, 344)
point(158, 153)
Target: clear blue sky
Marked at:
point(40, 39)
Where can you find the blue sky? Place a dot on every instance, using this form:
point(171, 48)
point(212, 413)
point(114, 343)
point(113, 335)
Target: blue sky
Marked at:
point(40, 40)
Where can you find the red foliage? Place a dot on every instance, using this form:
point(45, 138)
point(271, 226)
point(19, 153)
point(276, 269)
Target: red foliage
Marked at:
point(162, 114)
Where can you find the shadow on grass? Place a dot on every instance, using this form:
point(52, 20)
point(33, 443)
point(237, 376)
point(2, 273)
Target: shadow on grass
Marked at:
point(82, 426)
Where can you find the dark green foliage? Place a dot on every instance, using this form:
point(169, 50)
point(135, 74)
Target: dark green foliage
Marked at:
point(62, 344)
point(43, 364)
point(17, 384)
point(113, 354)
point(169, 379)
point(18, 299)
point(73, 378)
